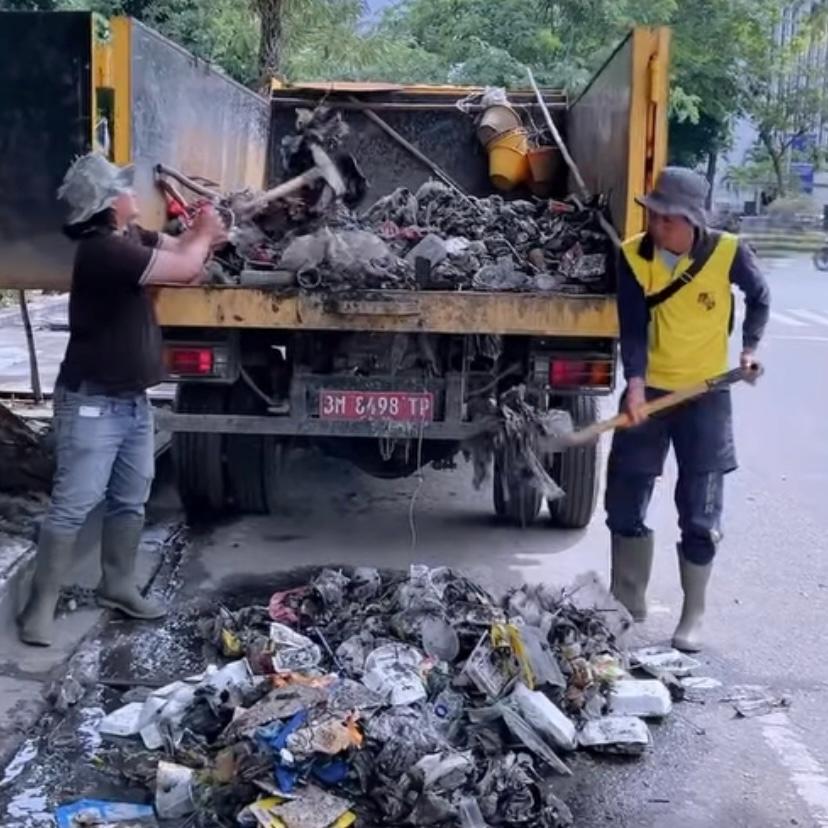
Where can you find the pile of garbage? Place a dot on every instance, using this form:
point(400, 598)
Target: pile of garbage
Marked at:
point(394, 699)
point(307, 232)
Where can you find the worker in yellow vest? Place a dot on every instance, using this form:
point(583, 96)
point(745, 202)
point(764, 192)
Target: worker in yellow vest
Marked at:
point(676, 312)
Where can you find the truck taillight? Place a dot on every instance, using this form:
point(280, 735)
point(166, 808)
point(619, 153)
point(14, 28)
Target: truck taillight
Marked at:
point(190, 362)
point(580, 373)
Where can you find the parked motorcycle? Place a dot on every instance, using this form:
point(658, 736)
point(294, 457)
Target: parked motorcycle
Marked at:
point(821, 258)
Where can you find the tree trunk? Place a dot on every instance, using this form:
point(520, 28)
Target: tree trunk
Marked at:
point(712, 162)
point(776, 158)
point(270, 39)
point(25, 462)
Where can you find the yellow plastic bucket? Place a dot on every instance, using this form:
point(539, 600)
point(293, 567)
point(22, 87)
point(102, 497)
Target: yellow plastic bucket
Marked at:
point(509, 159)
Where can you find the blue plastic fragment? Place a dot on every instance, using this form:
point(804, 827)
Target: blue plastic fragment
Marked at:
point(275, 736)
point(286, 778)
point(331, 773)
point(107, 811)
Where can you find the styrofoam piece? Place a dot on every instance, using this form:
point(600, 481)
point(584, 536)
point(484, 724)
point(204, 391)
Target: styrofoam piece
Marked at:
point(666, 659)
point(701, 683)
point(647, 698)
point(542, 714)
point(125, 721)
point(623, 733)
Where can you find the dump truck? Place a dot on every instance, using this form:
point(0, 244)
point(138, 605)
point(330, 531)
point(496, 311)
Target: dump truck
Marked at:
point(259, 371)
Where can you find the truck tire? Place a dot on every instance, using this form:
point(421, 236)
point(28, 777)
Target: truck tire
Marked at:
point(199, 458)
point(577, 470)
point(516, 501)
point(254, 461)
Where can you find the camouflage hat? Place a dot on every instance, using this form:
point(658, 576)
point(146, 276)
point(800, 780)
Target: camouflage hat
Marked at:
point(92, 184)
point(679, 192)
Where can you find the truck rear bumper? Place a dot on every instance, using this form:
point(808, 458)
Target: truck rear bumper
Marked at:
point(312, 427)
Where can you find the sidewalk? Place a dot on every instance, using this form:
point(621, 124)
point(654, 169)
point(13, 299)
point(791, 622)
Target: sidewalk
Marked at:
point(26, 672)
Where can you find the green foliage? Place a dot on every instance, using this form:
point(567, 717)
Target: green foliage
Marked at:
point(785, 97)
point(724, 62)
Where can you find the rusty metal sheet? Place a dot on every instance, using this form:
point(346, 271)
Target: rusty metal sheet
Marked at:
point(189, 116)
point(433, 312)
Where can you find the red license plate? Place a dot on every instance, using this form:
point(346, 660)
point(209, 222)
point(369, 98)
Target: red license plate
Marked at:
point(393, 406)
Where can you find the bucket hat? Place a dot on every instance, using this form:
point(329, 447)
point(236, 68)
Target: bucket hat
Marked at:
point(92, 184)
point(679, 192)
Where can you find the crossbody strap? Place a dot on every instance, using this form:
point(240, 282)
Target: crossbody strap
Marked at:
point(701, 256)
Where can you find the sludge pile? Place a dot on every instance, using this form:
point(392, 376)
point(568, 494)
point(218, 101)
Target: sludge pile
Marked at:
point(388, 700)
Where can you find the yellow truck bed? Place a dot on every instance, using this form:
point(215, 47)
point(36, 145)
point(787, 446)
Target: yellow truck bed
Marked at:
point(515, 314)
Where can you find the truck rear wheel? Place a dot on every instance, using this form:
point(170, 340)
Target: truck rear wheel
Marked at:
point(516, 500)
point(577, 470)
point(199, 458)
point(254, 461)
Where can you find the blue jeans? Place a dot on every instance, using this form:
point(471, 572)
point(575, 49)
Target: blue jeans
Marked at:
point(105, 451)
point(701, 434)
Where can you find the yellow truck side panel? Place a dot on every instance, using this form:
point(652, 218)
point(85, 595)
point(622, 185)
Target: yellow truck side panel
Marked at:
point(435, 312)
point(617, 128)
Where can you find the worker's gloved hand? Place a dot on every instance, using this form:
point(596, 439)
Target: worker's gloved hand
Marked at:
point(634, 401)
point(209, 223)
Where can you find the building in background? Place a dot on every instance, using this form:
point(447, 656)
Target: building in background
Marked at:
point(810, 69)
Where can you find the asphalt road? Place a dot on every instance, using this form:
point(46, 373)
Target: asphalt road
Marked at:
point(768, 598)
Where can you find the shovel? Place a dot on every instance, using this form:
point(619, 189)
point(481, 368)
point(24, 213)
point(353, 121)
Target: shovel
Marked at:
point(572, 439)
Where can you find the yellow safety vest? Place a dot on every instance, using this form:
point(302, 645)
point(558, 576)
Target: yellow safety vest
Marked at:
point(688, 333)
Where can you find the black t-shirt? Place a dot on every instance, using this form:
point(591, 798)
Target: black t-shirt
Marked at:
point(114, 339)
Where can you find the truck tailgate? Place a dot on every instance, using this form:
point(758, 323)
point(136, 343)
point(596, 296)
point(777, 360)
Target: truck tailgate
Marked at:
point(515, 314)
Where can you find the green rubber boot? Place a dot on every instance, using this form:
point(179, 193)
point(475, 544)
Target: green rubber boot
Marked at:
point(120, 539)
point(694, 581)
point(54, 555)
point(632, 562)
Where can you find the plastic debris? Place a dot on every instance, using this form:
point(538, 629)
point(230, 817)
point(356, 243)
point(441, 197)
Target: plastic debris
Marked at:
point(284, 605)
point(470, 814)
point(174, 790)
point(315, 809)
point(393, 672)
point(531, 738)
point(489, 670)
point(615, 734)
point(700, 683)
point(293, 652)
point(126, 721)
point(750, 701)
point(544, 716)
point(282, 703)
point(440, 641)
point(327, 735)
point(99, 812)
point(647, 698)
point(426, 701)
point(665, 659)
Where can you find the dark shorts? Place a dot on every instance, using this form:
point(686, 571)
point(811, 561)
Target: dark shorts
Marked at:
point(701, 433)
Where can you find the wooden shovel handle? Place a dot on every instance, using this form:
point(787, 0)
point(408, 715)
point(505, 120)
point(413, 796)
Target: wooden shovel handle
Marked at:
point(668, 401)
